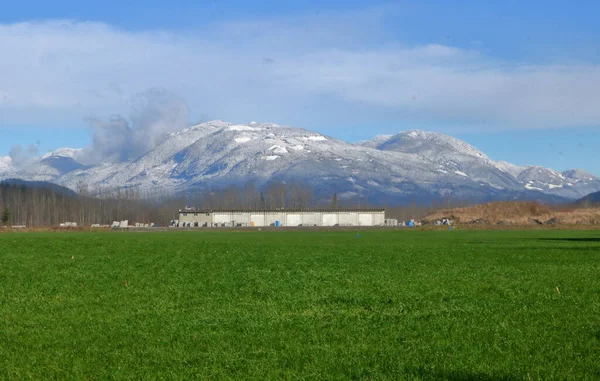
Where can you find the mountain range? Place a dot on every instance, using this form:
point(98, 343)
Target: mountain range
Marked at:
point(393, 169)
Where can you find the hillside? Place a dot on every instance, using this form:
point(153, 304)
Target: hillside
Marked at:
point(41, 185)
point(413, 166)
point(40, 204)
point(592, 199)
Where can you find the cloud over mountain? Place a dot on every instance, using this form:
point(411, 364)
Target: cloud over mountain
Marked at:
point(155, 113)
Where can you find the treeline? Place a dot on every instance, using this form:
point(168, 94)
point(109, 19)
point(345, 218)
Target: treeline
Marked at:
point(273, 196)
point(37, 205)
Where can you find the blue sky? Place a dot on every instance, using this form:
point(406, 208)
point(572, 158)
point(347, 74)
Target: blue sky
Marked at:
point(519, 80)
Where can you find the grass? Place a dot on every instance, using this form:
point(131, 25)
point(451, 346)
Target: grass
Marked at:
point(453, 305)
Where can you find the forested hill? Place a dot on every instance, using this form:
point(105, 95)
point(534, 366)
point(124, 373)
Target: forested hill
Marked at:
point(35, 204)
point(590, 200)
point(37, 185)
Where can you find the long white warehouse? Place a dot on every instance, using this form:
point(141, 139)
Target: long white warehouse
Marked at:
point(191, 217)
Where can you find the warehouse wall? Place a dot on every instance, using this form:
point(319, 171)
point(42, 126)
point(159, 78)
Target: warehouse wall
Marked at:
point(293, 219)
point(192, 218)
point(273, 217)
point(270, 218)
point(231, 218)
point(311, 219)
point(348, 219)
point(378, 219)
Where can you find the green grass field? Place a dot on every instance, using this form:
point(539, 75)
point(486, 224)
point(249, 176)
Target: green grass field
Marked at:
point(300, 305)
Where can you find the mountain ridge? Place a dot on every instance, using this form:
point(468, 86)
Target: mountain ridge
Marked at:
point(406, 166)
point(592, 199)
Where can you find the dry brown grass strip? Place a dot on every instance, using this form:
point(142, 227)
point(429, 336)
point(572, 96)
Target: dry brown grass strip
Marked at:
point(519, 213)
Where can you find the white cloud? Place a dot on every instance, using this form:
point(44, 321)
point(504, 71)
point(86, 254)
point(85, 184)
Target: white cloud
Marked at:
point(294, 71)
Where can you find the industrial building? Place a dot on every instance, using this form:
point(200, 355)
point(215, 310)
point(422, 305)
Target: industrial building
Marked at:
point(192, 217)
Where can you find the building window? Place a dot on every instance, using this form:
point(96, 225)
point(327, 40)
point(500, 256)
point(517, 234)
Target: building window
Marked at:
point(185, 214)
point(195, 214)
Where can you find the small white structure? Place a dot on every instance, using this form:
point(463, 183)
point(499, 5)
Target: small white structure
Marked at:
point(391, 222)
point(125, 225)
point(444, 221)
point(68, 225)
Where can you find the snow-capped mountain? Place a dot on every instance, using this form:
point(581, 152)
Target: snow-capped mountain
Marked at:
point(72, 153)
point(413, 165)
point(454, 155)
point(5, 165)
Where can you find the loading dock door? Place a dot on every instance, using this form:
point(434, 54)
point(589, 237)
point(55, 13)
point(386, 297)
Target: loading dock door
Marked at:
point(365, 219)
point(257, 219)
point(330, 219)
point(294, 220)
point(222, 218)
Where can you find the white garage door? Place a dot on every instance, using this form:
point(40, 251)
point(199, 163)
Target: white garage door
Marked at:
point(293, 220)
point(222, 218)
point(330, 219)
point(257, 219)
point(365, 219)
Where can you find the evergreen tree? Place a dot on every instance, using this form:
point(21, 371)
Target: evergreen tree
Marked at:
point(263, 204)
point(5, 216)
point(334, 201)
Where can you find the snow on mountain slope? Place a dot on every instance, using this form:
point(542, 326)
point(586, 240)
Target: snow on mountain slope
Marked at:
point(511, 169)
point(413, 165)
point(209, 155)
point(430, 144)
point(450, 156)
point(51, 166)
point(5, 164)
point(72, 153)
point(376, 141)
point(569, 184)
point(579, 174)
point(456, 156)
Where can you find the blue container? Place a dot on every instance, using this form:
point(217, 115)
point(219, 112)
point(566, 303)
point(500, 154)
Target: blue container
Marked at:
point(277, 223)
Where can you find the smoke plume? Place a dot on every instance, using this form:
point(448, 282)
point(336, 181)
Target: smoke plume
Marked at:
point(22, 156)
point(154, 114)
